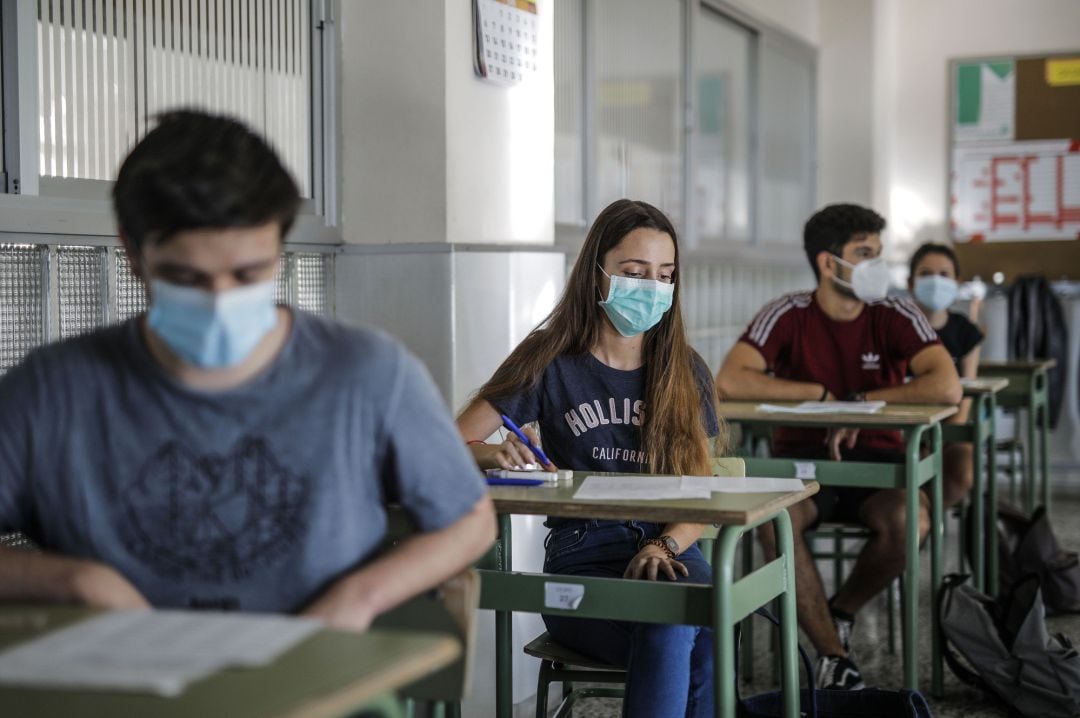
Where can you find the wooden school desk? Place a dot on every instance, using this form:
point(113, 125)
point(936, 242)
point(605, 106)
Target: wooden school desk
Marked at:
point(980, 430)
point(1029, 391)
point(329, 674)
point(721, 605)
point(913, 421)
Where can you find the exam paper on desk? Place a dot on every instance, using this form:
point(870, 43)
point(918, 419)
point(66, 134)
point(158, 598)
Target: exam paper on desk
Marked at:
point(645, 488)
point(158, 652)
point(825, 407)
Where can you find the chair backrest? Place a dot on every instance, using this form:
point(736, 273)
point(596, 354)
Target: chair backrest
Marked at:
point(728, 466)
point(723, 466)
point(449, 608)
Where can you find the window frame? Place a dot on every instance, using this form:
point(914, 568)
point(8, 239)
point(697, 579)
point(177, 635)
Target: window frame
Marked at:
point(36, 209)
point(763, 38)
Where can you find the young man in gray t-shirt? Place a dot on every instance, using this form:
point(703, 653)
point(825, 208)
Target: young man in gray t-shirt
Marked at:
point(220, 451)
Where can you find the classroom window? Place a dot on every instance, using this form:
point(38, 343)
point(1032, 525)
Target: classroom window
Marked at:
point(639, 102)
point(107, 67)
point(786, 196)
point(569, 110)
point(722, 178)
point(691, 105)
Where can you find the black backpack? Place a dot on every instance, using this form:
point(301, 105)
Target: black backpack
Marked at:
point(1027, 545)
point(1008, 649)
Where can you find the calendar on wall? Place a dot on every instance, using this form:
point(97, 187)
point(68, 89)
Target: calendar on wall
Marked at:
point(505, 40)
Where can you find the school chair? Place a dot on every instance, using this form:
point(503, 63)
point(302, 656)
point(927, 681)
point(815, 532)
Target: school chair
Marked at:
point(559, 664)
point(449, 608)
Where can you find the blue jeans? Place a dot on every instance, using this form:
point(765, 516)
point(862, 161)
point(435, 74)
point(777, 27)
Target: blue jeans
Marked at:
point(669, 668)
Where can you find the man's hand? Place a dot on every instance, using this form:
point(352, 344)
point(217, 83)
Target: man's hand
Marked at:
point(840, 437)
point(100, 586)
point(650, 561)
point(342, 607)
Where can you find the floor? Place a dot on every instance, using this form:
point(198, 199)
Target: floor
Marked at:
point(882, 669)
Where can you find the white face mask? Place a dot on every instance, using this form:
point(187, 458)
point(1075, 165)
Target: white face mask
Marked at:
point(869, 278)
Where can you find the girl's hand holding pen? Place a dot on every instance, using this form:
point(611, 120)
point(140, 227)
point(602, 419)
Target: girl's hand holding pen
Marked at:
point(510, 454)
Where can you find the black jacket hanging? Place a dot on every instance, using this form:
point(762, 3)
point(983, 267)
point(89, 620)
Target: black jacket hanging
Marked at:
point(1037, 330)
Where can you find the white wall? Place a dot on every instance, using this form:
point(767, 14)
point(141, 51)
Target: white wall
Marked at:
point(845, 103)
point(796, 17)
point(893, 54)
point(500, 142)
point(393, 136)
point(430, 153)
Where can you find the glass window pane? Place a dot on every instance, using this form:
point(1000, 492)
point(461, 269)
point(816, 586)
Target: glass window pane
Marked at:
point(639, 103)
point(786, 198)
point(107, 67)
point(722, 182)
point(81, 288)
point(130, 292)
point(22, 301)
point(569, 106)
point(314, 283)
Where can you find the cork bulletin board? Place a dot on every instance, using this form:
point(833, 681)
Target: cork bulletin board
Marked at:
point(1014, 179)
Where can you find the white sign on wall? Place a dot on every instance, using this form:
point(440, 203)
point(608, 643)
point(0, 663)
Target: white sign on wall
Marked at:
point(1016, 191)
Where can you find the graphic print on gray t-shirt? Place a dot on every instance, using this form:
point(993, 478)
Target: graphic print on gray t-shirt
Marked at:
point(254, 498)
point(214, 517)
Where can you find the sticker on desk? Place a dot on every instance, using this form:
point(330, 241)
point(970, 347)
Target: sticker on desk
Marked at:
point(805, 470)
point(566, 596)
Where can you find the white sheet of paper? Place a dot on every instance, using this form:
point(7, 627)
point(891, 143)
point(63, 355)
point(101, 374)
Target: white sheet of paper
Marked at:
point(637, 488)
point(825, 407)
point(158, 652)
point(742, 484)
point(805, 470)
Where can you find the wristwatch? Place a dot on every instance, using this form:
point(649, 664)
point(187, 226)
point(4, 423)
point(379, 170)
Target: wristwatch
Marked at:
point(668, 544)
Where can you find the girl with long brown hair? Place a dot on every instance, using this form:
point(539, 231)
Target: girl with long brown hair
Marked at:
point(615, 386)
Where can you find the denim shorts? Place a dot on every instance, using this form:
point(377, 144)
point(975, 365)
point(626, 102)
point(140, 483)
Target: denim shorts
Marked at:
point(604, 548)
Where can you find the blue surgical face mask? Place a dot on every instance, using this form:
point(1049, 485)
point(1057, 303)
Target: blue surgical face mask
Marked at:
point(636, 305)
point(211, 330)
point(935, 292)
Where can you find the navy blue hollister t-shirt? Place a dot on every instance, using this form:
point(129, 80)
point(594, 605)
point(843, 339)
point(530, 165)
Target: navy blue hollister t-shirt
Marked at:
point(590, 414)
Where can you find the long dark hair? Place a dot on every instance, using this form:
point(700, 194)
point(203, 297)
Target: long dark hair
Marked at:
point(673, 436)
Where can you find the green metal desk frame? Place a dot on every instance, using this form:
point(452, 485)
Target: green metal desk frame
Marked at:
point(980, 430)
point(721, 606)
point(910, 476)
point(1028, 390)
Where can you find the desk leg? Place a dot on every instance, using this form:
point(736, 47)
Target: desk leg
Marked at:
point(992, 500)
point(1030, 479)
point(504, 636)
point(1043, 412)
point(724, 676)
point(789, 622)
point(937, 541)
point(978, 502)
point(911, 569)
point(387, 706)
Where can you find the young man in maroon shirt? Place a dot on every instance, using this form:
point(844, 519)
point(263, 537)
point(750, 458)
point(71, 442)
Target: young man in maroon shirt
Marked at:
point(843, 340)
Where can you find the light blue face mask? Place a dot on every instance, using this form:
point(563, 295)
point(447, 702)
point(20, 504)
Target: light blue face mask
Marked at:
point(636, 305)
point(211, 330)
point(935, 292)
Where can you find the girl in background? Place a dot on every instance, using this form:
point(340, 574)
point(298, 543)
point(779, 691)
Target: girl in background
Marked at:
point(933, 282)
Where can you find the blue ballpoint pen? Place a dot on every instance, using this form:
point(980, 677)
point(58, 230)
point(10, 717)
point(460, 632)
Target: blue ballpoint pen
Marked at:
point(493, 481)
point(525, 440)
